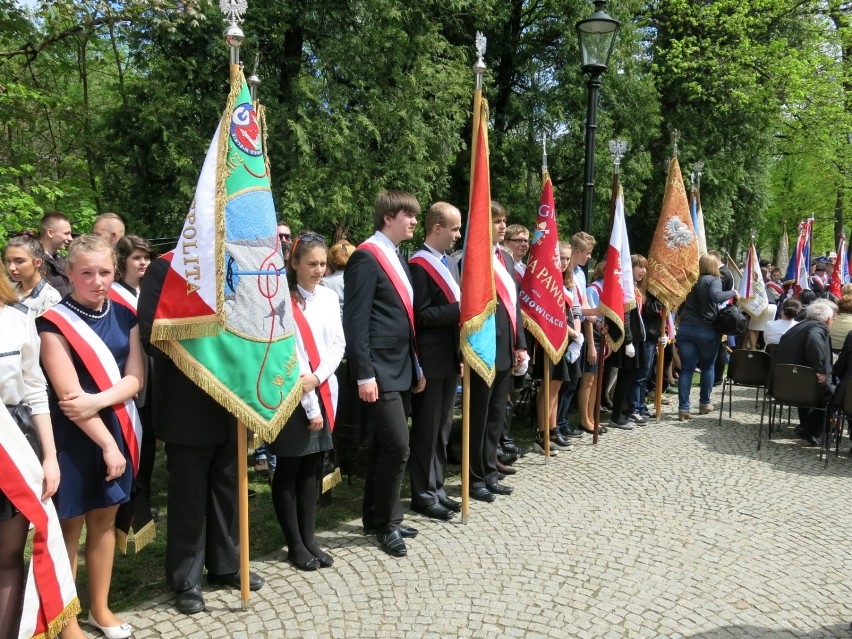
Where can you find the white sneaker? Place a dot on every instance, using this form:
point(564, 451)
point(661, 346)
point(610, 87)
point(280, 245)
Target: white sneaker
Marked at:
point(638, 418)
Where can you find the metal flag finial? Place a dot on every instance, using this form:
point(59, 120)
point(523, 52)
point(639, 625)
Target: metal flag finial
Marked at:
point(617, 149)
point(479, 67)
point(253, 80)
point(544, 150)
point(675, 140)
point(697, 170)
point(233, 10)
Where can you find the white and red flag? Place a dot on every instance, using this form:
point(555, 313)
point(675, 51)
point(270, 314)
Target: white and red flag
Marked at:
point(618, 294)
point(752, 290)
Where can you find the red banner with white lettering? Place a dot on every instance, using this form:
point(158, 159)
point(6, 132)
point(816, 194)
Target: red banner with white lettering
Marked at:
point(541, 299)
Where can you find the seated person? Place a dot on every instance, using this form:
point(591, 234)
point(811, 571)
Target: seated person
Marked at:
point(775, 329)
point(842, 323)
point(808, 344)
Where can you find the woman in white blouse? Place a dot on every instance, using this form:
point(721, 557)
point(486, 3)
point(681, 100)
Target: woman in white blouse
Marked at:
point(21, 379)
point(307, 434)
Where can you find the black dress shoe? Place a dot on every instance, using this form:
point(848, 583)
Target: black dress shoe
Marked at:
point(450, 504)
point(482, 494)
point(232, 579)
point(513, 449)
point(499, 489)
point(325, 560)
point(435, 511)
point(812, 440)
point(505, 470)
point(307, 565)
point(189, 601)
point(392, 543)
point(507, 458)
point(407, 532)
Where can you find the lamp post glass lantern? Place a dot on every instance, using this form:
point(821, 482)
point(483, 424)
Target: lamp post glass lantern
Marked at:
point(597, 39)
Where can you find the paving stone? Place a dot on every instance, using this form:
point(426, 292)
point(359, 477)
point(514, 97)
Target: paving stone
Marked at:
point(678, 529)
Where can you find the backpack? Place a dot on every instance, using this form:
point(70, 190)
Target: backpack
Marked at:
point(731, 321)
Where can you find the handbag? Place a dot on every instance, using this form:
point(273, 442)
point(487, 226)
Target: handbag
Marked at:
point(22, 413)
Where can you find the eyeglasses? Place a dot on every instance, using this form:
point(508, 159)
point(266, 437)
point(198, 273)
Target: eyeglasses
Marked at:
point(284, 236)
point(521, 240)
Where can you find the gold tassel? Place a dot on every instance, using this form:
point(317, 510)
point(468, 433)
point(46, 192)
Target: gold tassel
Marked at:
point(541, 338)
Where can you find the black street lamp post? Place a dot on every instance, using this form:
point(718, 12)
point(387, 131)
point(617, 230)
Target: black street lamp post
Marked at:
point(597, 38)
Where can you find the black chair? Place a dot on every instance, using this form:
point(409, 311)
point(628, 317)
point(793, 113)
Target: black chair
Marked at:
point(792, 385)
point(745, 368)
point(833, 431)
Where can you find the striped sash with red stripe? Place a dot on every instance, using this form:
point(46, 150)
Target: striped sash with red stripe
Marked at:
point(314, 358)
point(101, 364)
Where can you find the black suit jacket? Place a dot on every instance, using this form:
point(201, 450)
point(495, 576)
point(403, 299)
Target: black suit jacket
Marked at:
point(437, 321)
point(379, 342)
point(183, 413)
point(506, 345)
point(805, 344)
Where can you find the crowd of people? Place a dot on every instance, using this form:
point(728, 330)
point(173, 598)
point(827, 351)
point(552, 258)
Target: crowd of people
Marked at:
point(77, 315)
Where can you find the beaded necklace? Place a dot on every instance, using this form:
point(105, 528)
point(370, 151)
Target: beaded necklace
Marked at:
point(87, 312)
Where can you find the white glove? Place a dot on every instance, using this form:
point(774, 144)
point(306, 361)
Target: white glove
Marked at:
point(521, 369)
point(664, 340)
point(630, 350)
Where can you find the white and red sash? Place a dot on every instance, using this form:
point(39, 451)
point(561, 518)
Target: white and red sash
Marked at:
point(775, 286)
point(506, 289)
point(121, 295)
point(104, 370)
point(393, 269)
point(597, 287)
point(520, 269)
point(439, 273)
point(50, 599)
point(314, 358)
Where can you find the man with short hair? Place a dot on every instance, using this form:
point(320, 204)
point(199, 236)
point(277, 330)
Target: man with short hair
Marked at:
point(109, 227)
point(378, 322)
point(488, 403)
point(517, 242)
point(435, 279)
point(55, 235)
point(808, 344)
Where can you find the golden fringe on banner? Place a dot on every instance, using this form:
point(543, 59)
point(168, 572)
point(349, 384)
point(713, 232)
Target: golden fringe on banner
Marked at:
point(613, 316)
point(144, 536)
point(55, 627)
point(554, 354)
point(121, 541)
point(331, 480)
point(229, 400)
point(474, 325)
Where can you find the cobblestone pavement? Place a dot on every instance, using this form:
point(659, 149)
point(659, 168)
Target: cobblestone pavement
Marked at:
point(674, 530)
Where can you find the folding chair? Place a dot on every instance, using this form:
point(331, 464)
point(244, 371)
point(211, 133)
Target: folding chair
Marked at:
point(792, 385)
point(745, 368)
point(833, 431)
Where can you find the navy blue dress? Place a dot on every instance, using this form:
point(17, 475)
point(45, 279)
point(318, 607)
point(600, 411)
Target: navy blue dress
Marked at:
point(81, 461)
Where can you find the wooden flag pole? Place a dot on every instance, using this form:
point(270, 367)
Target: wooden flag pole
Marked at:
point(658, 394)
point(242, 487)
point(465, 451)
point(234, 38)
point(599, 381)
point(546, 384)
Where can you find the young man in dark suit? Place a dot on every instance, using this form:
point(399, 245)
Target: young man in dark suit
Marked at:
point(378, 322)
point(435, 279)
point(201, 452)
point(488, 403)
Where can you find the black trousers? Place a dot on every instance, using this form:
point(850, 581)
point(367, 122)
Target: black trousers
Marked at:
point(388, 417)
point(203, 525)
point(431, 421)
point(487, 416)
